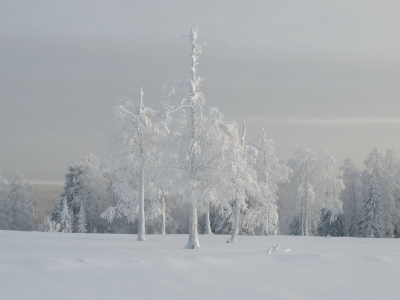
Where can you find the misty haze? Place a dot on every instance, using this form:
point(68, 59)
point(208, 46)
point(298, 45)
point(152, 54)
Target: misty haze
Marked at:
point(210, 149)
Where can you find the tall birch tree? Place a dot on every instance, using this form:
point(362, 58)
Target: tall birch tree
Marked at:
point(262, 214)
point(241, 180)
point(131, 156)
point(194, 144)
point(310, 189)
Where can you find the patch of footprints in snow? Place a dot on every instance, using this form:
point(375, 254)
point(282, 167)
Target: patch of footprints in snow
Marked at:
point(276, 249)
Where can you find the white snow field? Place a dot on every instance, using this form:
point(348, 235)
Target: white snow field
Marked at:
point(36, 265)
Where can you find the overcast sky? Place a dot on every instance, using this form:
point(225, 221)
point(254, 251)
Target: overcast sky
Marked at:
point(312, 73)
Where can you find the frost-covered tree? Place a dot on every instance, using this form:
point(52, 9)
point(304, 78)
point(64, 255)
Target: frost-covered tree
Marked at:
point(184, 117)
point(131, 156)
point(396, 194)
point(194, 145)
point(55, 214)
point(371, 223)
point(163, 212)
point(17, 211)
point(65, 218)
point(5, 207)
point(81, 220)
point(390, 192)
point(294, 226)
point(310, 189)
point(85, 183)
point(262, 212)
point(351, 196)
point(50, 226)
point(372, 214)
point(157, 213)
point(94, 194)
point(72, 189)
point(329, 225)
point(241, 181)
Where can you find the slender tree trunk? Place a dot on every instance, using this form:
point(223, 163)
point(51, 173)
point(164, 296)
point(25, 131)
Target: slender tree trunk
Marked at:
point(235, 225)
point(305, 221)
point(208, 227)
point(193, 234)
point(193, 242)
point(305, 212)
point(141, 221)
point(302, 217)
point(163, 212)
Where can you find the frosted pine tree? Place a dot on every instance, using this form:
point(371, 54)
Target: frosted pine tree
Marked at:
point(72, 188)
point(371, 223)
point(294, 226)
point(65, 218)
point(329, 225)
point(81, 221)
point(85, 183)
point(56, 212)
point(396, 231)
point(50, 226)
point(390, 192)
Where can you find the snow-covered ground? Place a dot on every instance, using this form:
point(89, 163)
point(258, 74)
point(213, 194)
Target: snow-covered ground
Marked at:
point(35, 265)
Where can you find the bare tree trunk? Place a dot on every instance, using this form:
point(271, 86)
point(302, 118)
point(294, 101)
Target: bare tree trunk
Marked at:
point(302, 217)
point(235, 225)
point(193, 242)
point(141, 221)
point(208, 227)
point(305, 222)
point(305, 212)
point(163, 212)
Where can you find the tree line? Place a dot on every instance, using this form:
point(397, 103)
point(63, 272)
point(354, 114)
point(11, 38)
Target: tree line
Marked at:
point(184, 169)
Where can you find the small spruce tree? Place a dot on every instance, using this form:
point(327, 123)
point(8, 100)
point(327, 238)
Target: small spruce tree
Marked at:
point(65, 218)
point(371, 223)
point(81, 222)
point(294, 226)
point(331, 225)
